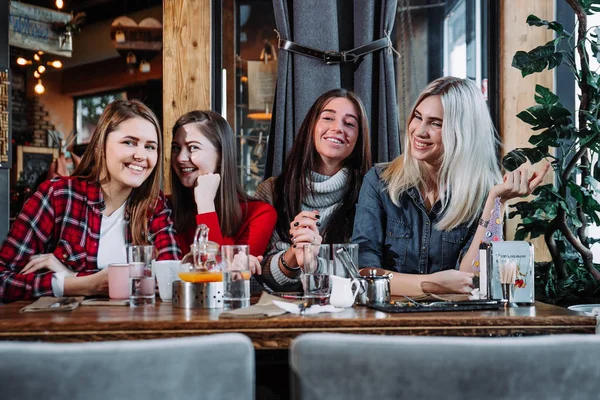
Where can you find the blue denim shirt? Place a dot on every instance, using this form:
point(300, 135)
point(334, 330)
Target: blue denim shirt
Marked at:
point(404, 239)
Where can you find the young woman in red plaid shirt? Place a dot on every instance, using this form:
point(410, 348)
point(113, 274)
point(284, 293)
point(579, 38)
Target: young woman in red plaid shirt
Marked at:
point(55, 244)
point(206, 188)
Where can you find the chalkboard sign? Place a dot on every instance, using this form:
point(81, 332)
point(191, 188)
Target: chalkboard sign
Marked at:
point(33, 164)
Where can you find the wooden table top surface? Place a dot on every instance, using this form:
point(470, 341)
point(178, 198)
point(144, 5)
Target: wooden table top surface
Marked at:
point(92, 323)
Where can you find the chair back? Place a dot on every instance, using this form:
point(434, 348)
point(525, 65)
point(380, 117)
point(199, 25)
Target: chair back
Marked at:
point(204, 367)
point(336, 366)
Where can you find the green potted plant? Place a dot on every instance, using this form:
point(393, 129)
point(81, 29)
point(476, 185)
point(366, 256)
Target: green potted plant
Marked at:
point(562, 211)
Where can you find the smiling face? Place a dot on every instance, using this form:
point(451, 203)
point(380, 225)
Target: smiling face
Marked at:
point(192, 154)
point(425, 131)
point(336, 133)
point(131, 153)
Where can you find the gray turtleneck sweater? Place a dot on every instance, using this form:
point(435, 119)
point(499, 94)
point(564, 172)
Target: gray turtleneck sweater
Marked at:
point(328, 193)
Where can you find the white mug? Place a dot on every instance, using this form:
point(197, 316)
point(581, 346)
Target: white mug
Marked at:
point(166, 274)
point(342, 293)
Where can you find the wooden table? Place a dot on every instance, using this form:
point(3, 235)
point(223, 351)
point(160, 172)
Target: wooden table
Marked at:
point(96, 323)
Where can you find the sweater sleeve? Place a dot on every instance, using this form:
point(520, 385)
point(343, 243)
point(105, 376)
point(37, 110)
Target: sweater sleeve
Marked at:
point(28, 235)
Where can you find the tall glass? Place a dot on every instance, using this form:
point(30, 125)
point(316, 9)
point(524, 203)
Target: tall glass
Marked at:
point(315, 273)
point(142, 283)
point(236, 276)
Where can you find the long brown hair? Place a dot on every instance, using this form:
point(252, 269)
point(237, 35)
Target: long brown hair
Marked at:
point(294, 183)
point(92, 167)
point(227, 202)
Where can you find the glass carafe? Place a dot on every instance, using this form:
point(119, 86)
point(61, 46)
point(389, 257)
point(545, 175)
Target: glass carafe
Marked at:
point(203, 262)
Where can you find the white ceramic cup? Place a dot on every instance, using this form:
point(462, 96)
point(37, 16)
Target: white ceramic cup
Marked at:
point(166, 274)
point(343, 291)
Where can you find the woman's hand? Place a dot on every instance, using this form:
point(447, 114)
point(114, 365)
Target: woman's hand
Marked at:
point(205, 192)
point(304, 229)
point(48, 261)
point(255, 267)
point(518, 184)
point(455, 281)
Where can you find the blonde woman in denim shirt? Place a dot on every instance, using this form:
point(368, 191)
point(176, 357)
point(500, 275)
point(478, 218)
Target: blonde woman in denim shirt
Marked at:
point(423, 215)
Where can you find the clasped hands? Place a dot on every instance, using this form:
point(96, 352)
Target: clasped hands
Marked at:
point(304, 229)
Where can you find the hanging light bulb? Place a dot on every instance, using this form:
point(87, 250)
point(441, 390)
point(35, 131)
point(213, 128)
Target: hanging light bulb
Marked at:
point(59, 4)
point(39, 88)
point(36, 57)
point(131, 59)
point(55, 64)
point(144, 66)
point(22, 61)
point(41, 69)
point(36, 74)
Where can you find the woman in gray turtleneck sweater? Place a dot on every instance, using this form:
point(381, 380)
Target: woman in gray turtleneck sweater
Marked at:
point(316, 193)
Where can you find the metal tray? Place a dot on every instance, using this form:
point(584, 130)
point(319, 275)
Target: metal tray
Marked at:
point(438, 306)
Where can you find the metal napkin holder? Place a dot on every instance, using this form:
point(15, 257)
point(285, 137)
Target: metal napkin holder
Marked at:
point(197, 295)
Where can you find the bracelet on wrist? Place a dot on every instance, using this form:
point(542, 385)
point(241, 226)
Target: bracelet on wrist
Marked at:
point(285, 265)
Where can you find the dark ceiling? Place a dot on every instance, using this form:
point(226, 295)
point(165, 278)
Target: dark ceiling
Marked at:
point(99, 10)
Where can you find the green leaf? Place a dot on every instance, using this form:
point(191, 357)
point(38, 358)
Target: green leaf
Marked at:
point(596, 171)
point(527, 118)
point(532, 20)
point(544, 96)
point(521, 234)
point(514, 160)
point(538, 59)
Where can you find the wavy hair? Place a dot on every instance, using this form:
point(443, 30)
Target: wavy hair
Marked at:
point(92, 167)
point(227, 203)
point(469, 166)
point(294, 183)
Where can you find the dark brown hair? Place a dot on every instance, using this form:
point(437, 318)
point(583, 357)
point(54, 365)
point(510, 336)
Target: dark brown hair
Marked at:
point(142, 200)
point(294, 183)
point(227, 203)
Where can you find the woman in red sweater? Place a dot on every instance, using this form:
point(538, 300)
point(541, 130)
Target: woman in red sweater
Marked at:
point(206, 188)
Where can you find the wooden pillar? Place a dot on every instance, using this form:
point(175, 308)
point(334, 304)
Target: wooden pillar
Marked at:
point(516, 92)
point(186, 64)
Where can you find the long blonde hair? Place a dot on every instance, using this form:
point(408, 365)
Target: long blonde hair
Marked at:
point(469, 166)
point(92, 167)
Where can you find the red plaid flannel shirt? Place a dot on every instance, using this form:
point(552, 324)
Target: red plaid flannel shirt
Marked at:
point(63, 217)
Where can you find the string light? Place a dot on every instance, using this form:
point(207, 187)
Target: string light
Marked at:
point(39, 68)
point(39, 88)
point(59, 4)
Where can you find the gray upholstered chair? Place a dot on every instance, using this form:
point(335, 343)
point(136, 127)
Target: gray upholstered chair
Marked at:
point(334, 366)
point(206, 367)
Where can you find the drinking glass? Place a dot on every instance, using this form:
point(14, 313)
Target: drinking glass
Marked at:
point(142, 283)
point(341, 253)
point(315, 273)
point(236, 276)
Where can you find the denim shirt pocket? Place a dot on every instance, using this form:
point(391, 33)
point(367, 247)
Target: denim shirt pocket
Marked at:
point(452, 242)
point(397, 241)
point(71, 255)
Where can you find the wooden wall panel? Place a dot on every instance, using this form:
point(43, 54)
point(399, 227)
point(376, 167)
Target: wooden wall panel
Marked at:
point(186, 64)
point(516, 92)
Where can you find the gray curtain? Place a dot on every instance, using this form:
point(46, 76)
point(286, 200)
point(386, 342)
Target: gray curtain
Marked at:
point(340, 26)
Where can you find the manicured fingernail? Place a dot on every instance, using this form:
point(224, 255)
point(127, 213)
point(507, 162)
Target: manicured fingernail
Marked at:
point(294, 246)
point(318, 223)
point(296, 223)
point(317, 216)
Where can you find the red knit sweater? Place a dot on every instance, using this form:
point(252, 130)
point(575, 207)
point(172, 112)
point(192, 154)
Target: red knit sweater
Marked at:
point(255, 231)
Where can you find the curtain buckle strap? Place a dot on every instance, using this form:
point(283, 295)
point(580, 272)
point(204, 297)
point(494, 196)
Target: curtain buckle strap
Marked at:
point(335, 57)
